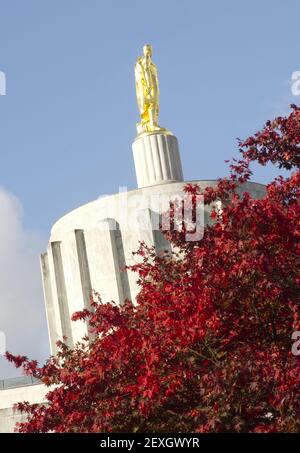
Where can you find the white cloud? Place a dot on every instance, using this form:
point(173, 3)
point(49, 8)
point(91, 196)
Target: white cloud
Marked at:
point(22, 314)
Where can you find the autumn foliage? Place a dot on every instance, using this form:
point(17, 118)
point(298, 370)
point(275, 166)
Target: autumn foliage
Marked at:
point(208, 347)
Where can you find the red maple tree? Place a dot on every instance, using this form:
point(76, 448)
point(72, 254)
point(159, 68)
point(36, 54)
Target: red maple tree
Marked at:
point(208, 347)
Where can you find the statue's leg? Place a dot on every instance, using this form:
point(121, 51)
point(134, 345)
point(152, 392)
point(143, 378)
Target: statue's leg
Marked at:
point(156, 114)
point(152, 116)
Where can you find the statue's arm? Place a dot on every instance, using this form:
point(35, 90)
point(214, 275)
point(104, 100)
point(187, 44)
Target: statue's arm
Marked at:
point(139, 85)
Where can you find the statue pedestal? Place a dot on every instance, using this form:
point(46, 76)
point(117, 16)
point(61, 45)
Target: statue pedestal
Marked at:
point(156, 159)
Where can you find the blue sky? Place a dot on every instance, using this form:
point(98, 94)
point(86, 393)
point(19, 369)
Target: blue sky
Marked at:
point(68, 119)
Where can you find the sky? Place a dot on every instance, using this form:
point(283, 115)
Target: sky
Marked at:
point(68, 118)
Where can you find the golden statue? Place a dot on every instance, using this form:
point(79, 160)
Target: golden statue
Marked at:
point(147, 92)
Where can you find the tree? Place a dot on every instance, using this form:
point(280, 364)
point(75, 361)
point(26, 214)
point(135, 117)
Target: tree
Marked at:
point(208, 347)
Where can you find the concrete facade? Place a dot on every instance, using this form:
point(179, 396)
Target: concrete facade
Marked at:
point(13, 391)
point(90, 246)
point(156, 159)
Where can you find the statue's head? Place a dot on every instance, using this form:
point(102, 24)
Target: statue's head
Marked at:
point(147, 49)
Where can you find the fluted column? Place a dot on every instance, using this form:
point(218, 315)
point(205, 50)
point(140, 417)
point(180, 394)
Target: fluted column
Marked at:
point(156, 159)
